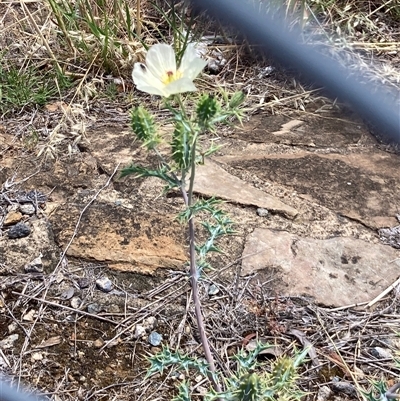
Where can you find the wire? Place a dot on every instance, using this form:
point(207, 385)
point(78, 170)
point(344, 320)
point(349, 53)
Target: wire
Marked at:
point(8, 393)
point(378, 105)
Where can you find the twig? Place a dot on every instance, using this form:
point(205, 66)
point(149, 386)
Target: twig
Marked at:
point(138, 19)
point(382, 294)
point(43, 298)
point(39, 32)
point(80, 312)
point(392, 394)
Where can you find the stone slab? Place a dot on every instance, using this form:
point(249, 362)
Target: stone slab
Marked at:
point(126, 239)
point(300, 129)
point(213, 180)
point(363, 186)
point(335, 272)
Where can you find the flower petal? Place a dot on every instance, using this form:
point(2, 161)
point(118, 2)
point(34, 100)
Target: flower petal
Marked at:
point(145, 81)
point(160, 59)
point(191, 64)
point(181, 85)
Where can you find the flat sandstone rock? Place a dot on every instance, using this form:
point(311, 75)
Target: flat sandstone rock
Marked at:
point(213, 180)
point(336, 271)
point(364, 187)
point(126, 240)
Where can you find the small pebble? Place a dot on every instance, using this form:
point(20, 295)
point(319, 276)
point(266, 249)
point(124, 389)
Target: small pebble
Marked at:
point(343, 387)
point(28, 209)
point(98, 343)
point(20, 230)
point(12, 327)
point(36, 266)
point(262, 212)
point(75, 302)
point(12, 217)
point(104, 284)
point(155, 338)
point(150, 323)
point(67, 294)
point(8, 342)
point(83, 282)
point(36, 356)
point(381, 353)
point(140, 331)
point(213, 290)
point(324, 393)
point(94, 309)
point(29, 316)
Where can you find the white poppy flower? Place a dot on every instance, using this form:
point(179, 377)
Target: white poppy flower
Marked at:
point(160, 76)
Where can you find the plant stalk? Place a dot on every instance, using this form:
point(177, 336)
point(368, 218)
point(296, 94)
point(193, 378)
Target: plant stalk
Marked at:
point(195, 295)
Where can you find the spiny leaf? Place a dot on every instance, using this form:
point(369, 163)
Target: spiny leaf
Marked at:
point(182, 139)
point(208, 110)
point(143, 126)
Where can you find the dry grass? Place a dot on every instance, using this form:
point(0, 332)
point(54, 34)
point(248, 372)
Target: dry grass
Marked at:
point(90, 49)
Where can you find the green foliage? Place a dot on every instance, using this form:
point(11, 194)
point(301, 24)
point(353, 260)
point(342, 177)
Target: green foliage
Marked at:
point(183, 392)
point(96, 29)
point(253, 383)
point(143, 126)
point(177, 170)
point(167, 358)
point(182, 144)
point(250, 382)
point(208, 108)
point(377, 392)
point(27, 87)
point(161, 173)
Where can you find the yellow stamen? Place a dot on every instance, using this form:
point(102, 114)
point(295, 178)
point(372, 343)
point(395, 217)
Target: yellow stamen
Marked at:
point(171, 76)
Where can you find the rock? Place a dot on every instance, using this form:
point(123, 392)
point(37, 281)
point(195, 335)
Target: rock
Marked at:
point(381, 353)
point(155, 338)
point(16, 254)
point(20, 230)
point(29, 316)
point(83, 282)
point(67, 294)
point(213, 180)
point(94, 308)
point(98, 343)
point(75, 302)
point(150, 323)
point(12, 217)
point(104, 284)
point(27, 208)
point(213, 290)
point(9, 341)
point(354, 185)
point(262, 212)
point(336, 271)
point(36, 356)
point(129, 240)
point(140, 331)
point(36, 266)
point(12, 327)
point(343, 387)
point(324, 393)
